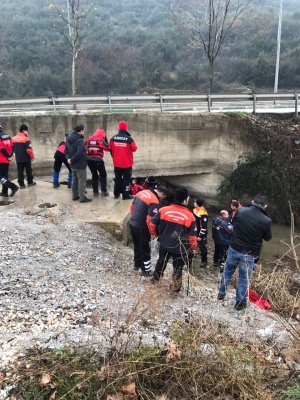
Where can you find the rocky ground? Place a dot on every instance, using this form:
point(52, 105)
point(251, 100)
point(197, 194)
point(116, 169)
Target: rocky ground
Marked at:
point(65, 283)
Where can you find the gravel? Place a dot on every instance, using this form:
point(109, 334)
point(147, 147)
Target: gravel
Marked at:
point(65, 283)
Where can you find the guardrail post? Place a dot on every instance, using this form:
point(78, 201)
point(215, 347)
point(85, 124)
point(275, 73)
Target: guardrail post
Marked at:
point(254, 104)
point(296, 104)
point(109, 102)
point(54, 104)
point(209, 102)
point(161, 102)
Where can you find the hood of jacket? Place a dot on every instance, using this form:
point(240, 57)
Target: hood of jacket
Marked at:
point(99, 134)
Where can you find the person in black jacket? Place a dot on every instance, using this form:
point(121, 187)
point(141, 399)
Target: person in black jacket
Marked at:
point(251, 227)
point(77, 158)
point(221, 232)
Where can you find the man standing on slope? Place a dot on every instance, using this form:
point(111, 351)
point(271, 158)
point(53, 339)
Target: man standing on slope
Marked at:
point(144, 206)
point(176, 227)
point(6, 156)
point(122, 146)
point(251, 227)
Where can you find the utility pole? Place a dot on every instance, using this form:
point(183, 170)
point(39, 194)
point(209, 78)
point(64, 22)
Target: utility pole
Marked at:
point(278, 48)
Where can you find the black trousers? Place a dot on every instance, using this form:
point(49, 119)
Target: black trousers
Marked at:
point(203, 249)
point(179, 260)
point(141, 247)
point(6, 183)
point(95, 168)
point(220, 254)
point(122, 180)
point(59, 159)
point(20, 167)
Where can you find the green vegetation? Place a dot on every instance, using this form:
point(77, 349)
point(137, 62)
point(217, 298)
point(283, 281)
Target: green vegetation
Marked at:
point(134, 46)
point(272, 168)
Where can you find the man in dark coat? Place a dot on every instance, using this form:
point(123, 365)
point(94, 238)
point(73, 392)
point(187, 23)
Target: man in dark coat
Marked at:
point(251, 227)
point(77, 158)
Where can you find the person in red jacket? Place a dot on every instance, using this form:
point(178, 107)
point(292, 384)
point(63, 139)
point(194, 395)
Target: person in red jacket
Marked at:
point(135, 187)
point(95, 147)
point(6, 156)
point(176, 227)
point(121, 147)
point(59, 159)
point(24, 156)
point(144, 206)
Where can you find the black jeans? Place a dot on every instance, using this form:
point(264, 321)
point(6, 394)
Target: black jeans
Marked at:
point(59, 159)
point(95, 167)
point(203, 249)
point(141, 247)
point(122, 180)
point(27, 166)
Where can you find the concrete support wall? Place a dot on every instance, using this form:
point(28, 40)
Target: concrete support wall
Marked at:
point(192, 150)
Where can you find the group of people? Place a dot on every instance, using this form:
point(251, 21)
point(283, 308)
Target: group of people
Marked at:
point(178, 229)
point(17, 148)
point(78, 154)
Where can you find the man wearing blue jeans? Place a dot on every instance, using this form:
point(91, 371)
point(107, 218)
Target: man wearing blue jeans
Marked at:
point(251, 227)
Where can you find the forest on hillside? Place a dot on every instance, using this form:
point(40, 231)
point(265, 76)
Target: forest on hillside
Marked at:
point(136, 46)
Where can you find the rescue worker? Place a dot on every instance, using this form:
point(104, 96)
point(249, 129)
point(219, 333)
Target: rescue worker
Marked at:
point(144, 206)
point(121, 147)
point(221, 232)
point(24, 156)
point(59, 159)
point(176, 227)
point(6, 156)
point(95, 147)
point(135, 187)
point(201, 216)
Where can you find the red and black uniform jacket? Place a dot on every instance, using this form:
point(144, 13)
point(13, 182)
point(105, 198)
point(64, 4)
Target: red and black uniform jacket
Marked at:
point(6, 148)
point(96, 144)
point(143, 208)
point(22, 148)
point(122, 146)
point(176, 227)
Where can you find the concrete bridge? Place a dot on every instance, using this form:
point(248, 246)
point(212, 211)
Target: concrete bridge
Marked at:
point(192, 150)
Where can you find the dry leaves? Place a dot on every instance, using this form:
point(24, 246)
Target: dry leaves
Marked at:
point(173, 353)
point(45, 379)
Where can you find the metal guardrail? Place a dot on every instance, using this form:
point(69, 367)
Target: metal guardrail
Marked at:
point(209, 102)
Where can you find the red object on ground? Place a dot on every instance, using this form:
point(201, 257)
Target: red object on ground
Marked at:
point(257, 300)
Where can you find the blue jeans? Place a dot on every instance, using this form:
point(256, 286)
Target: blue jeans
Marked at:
point(245, 263)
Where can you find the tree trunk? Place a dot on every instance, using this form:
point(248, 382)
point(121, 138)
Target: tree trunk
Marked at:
point(73, 72)
point(211, 75)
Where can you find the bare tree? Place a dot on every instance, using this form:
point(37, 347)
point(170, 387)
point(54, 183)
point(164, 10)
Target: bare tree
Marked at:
point(70, 27)
point(209, 23)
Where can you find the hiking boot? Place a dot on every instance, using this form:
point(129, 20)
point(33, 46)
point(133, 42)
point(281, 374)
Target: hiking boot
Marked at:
point(4, 194)
point(32, 184)
point(75, 198)
point(96, 193)
point(22, 186)
point(146, 273)
point(55, 185)
point(14, 191)
point(240, 305)
point(136, 268)
point(221, 296)
point(203, 264)
point(104, 194)
point(85, 200)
